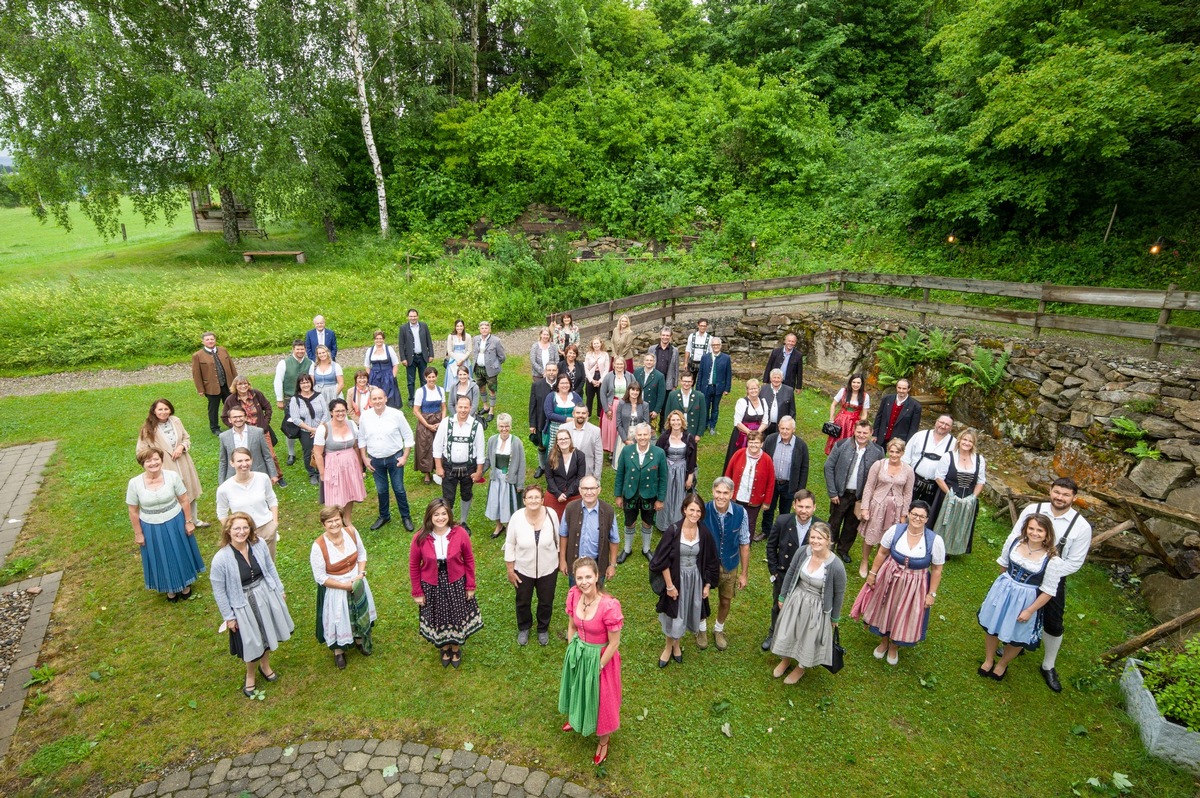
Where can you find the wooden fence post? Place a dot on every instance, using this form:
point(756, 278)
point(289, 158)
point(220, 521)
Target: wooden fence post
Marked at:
point(672, 311)
point(828, 288)
point(1164, 318)
point(924, 297)
point(1037, 318)
point(841, 293)
point(745, 299)
point(611, 316)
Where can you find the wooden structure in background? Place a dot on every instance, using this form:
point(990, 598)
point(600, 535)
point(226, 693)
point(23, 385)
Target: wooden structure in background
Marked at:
point(210, 218)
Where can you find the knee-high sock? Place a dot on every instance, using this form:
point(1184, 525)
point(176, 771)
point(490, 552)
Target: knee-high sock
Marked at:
point(628, 539)
point(291, 444)
point(646, 532)
point(466, 511)
point(1051, 644)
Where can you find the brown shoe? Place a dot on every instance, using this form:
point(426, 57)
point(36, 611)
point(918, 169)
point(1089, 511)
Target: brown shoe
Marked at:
point(701, 640)
point(722, 643)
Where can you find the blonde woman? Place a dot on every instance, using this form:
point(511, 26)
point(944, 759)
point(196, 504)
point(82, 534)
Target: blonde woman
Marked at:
point(596, 366)
point(327, 375)
point(886, 495)
point(961, 475)
point(622, 343)
point(459, 349)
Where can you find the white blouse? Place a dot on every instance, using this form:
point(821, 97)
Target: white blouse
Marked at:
point(902, 547)
point(319, 438)
point(317, 560)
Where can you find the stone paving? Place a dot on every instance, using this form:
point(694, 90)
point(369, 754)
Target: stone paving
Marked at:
point(356, 769)
point(20, 477)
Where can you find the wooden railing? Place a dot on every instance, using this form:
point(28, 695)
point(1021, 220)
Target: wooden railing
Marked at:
point(839, 287)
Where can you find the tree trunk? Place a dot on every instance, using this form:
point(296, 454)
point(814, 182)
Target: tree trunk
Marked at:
point(364, 110)
point(330, 230)
point(229, 220)
point(475, 51)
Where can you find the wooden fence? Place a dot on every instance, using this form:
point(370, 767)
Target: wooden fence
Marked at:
point(840, 287)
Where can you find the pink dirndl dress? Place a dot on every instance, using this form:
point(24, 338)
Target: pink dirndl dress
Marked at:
point(595, 631)
point(887, 498)
point(894, 606)
point(343, 469)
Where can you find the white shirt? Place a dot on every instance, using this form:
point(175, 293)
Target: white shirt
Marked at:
point(441, 545)
point(255, 498)
point(892, 539)
point(280, 371)
point(319, 438)
point(317, 560)
point(240, 440)
point(415, 329)
point(686, 398)
point(746, 483)
point(642, 455)
point(1050, 579)
point(320, 337)
point(384, 435)
point(460, 451)
point(852, 479)
point(1078, 544)
point(925, 441)
point(943, 467)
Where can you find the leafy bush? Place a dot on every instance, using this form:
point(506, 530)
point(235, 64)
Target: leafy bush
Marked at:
point(1142, 450)
point(1174, 680)
point(898, 354)
point(985, 372)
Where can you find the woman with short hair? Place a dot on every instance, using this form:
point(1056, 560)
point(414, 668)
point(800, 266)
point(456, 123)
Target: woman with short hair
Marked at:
point(250, 492)
point(160, 513)
point(572, 367)
point(339, 462)
point(504, 461)
point(358, 398)
point(542, 353)
point(345, 606)
point(250, 598)
point(531, 556)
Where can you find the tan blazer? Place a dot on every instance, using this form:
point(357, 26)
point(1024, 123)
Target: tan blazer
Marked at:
point(204, 373)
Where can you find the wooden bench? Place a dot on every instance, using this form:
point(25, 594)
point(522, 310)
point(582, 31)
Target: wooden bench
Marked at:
point(249, 257)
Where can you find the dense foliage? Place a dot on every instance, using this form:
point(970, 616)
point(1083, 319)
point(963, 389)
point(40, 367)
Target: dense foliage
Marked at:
point(815, 125)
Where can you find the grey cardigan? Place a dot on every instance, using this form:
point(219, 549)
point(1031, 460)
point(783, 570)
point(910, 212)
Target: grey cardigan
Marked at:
point(535, 360)
point(227, 579)
point(626, 419)
point(841, 460)
point(835, 578)
point(516, 463)
point(490, 354)
point(608, 388)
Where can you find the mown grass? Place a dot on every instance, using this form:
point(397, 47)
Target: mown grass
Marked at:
point(153, 686)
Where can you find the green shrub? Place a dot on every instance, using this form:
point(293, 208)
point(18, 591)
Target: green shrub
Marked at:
point(1174, 680)
point(985, 371)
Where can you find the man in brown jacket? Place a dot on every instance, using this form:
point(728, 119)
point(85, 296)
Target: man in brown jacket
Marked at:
point(588, 529)
point(213, 372)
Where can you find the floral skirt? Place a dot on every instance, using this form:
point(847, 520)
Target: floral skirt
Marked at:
point(448, 617)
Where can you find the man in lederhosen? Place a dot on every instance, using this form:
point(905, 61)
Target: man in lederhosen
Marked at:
point(458, 456)
point(923, 452)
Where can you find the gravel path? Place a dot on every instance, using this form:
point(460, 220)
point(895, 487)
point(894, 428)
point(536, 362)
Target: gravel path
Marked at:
point(14, 613)
point(516, 344)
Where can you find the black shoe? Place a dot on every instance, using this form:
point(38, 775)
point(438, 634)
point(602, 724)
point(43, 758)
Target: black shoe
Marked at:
point(274, 677)
point(541, 472)
point(622, 557)
point(1051, 678)
point(408, 524)
point(215, 431)
point(339, 659)
point(678, 658)
point(465, 526)
point(845, 558)
point(766, 643)
point(291, 459)
point(380, 522)
point(313, 479)
point(662, 663)
point(282, 483)
point(646, 553)
point(984, 673)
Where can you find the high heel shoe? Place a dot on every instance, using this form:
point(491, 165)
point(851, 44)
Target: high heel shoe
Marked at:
point(567, 727)
point(601, 754)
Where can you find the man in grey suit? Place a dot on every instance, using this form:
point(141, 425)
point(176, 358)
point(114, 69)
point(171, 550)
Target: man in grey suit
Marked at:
point(489, 356)
point(780, 399)
point(416, 350)
point(241, 435)
point(845, 476)
point(586, 438)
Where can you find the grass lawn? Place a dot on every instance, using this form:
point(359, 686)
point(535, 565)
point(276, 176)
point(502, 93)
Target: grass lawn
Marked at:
point(153, 687)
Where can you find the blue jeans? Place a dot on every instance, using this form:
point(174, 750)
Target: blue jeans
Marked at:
point(387, 471)
point(713, 398)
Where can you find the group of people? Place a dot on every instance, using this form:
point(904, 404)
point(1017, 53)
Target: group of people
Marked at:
point(912, 493)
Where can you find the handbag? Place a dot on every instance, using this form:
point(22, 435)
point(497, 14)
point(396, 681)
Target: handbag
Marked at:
point(657, 583)
point(831, 429)
point(289, 429)
point(839, 654)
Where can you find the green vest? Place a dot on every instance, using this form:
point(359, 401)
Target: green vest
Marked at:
point(292, 369)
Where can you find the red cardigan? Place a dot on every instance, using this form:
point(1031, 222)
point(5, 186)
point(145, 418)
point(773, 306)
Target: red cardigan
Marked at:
point(763, 489)
point(423, 564)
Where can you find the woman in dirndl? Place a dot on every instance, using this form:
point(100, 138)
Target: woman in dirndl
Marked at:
point(383, 362)
point(612, 391)
point(345, 606)
point(441, 568)
point(961, 475)
point(458, 353)
point(902, 584)
point(328, 379)
point(749, 414)
point(250, 596)
point(505, 460)
point(339, 464)
point(810, 606)
point(680, 449)
point(163, 430)
point(589, 693)
point(1012, 610)
point(886, 496)
point(358, 398)
point(850, 404)
point(429, 407)
point(559, 406)
point(163, 529)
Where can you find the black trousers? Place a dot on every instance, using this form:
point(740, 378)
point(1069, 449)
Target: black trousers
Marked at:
point(1052, 613)
point(415, 369)
point(544, 588)
point(458, 479)
point(781, 504)
point(593, 397)
point(306, 447)
point(216, 401)
point(843, 522)
point(776, 586)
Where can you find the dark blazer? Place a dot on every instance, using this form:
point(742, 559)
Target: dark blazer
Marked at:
point(785, 398)
point(576, 375)
point(841, 460)
point(664, 441)
point(406, 342)
point(798, 477)
point(310, 343)
point(794, 376)
point(722, 375)
point(566, 480)
point(666, 558)
point(907, 423)
point(654, 388)
point(783, 543)
point(260, 453)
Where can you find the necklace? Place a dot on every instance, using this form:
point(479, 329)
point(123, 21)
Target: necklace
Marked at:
point(586, 605)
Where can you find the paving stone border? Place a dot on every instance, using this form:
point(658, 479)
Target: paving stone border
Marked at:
point(12, 699)
point(359, 769)
point(20, 477)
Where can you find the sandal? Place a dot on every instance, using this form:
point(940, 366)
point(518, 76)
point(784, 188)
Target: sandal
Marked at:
point(601, 754)
point(273, 676)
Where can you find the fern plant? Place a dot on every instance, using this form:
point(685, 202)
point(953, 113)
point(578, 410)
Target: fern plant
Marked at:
point(939, 346)
point(1142, 450)
point(1126, 427)
point(985, 372)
